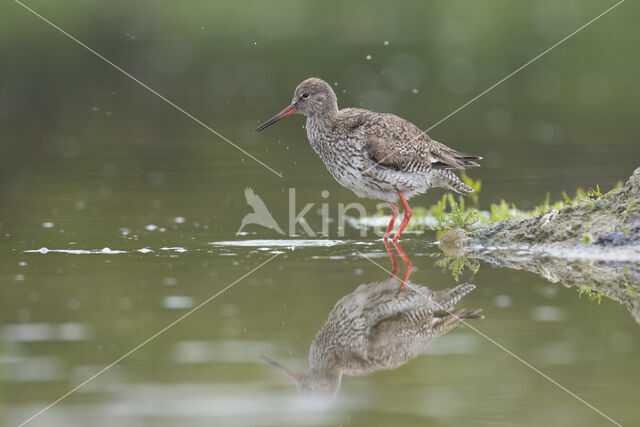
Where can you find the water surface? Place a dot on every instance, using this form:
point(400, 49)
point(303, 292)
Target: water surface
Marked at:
point(118, 214)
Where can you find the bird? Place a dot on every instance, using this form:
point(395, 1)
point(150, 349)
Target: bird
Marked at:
point(260, 214)
point(377, 328)
point(378, 156)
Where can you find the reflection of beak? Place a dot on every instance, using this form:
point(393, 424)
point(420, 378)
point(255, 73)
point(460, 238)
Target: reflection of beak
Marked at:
point(288, 372)
point(281, 115)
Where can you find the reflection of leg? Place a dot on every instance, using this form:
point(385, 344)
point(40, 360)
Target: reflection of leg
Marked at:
point(407, 216)
point(394, 260)
point(394, 214)
point(407, 264)
point(244, 222)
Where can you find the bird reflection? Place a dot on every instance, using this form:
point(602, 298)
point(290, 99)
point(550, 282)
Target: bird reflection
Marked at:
point(379, 326)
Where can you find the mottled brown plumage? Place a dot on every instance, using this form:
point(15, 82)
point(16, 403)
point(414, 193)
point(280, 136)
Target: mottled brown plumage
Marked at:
point(378, 328)
point(376, 155)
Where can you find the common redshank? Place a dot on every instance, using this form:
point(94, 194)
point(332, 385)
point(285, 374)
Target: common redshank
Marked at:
point(376, 327)
point(376, 155)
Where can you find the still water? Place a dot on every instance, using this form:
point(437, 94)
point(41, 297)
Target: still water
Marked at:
point(67, 315)
point(118, 216)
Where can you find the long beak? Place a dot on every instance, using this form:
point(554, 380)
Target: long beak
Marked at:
point(288, 372)
point(281, 115)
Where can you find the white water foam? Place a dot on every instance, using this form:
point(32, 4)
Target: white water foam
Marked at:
point(282, 243)
point(108, 251)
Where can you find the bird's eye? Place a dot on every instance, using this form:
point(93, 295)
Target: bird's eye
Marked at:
point(305, 95)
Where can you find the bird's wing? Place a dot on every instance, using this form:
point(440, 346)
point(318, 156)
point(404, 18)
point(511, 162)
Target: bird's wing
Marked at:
point(395, 142)
point(444, 321)
point(248, 193)
point(255, 201)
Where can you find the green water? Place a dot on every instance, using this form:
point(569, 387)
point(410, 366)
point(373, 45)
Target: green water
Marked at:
point(91, 160)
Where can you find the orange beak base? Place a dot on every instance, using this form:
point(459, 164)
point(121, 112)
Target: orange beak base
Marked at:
point(281, 115)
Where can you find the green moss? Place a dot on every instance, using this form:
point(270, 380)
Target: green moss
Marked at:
point(457, 217)
point(590, 194)
point(457, 211)
point(456, 265)
point(475, 184)
point(462, 212)
point(567, 199)
point(629, 209)
point(592, 293)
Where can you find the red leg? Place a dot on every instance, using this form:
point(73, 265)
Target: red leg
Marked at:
point(407, 216)
point(394, 260)
point(394, 214)
point(408, 266)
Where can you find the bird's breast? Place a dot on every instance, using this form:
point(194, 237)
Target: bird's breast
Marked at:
point(341, 154)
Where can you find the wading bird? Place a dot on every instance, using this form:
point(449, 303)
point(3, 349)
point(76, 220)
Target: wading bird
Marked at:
point(376, 155)
point(377, 328)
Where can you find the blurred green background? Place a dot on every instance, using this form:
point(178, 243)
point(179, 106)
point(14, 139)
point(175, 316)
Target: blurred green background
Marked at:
point(72, 125)
point(101, 158)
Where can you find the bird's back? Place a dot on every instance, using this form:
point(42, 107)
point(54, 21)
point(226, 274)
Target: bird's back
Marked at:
point(376, 327)
point(396, 142)
point(377, 154)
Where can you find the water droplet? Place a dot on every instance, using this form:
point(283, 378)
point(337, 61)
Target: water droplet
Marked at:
point(156, 178)
point(368, 57)
point(414, 91)
point(177, 302)
point(179, 219)
point(502, 301)
point(151, 227)
point(169, 281)
point(74, 304)
point(125, 303)
point(104, 191)
point(386, 43)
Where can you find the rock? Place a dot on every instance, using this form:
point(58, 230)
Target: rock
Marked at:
point(621, 237)
point(612, 220)
point(593, 245)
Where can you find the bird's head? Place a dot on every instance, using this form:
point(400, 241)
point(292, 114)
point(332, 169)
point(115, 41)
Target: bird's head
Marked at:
point(312, 97)
point(322, 385)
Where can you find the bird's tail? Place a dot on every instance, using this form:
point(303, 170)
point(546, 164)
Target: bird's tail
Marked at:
point(447, 320)
point(468, 161)
point(447, 298)
point(469, 313)
point(450, 181)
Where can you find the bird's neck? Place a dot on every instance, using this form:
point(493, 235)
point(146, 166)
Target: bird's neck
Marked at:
point(320, 124)
point(326, 374)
